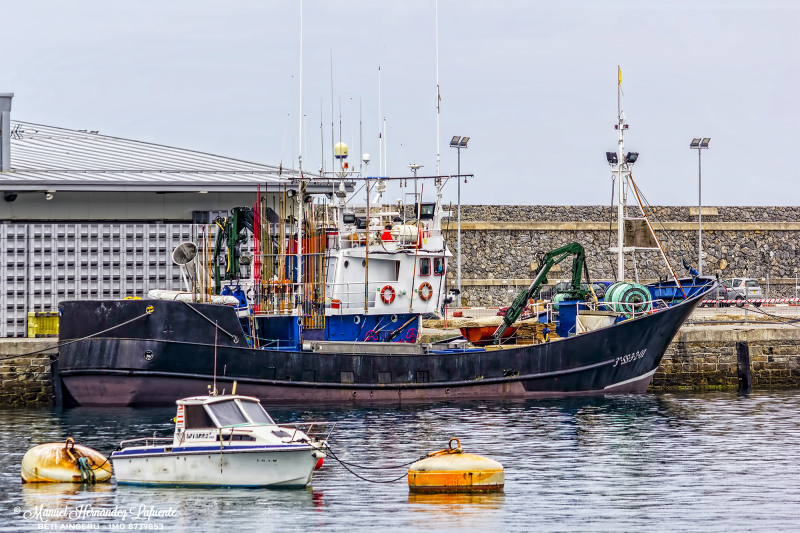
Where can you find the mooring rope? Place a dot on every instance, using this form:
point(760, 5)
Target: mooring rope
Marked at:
point(345, 466)
point(76, 340)
point(778, 319)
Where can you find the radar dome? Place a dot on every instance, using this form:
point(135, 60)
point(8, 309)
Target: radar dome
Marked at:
point(340, 151)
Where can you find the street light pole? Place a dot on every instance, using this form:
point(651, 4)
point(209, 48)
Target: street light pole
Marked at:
point(700, 145)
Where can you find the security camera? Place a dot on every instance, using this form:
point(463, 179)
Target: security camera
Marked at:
point(9, 196)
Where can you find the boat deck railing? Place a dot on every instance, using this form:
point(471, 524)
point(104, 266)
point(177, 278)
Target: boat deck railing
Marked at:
point(399, 243)
point(148, 441)
point(316, 430)
point(351, 294)
point(654, 307)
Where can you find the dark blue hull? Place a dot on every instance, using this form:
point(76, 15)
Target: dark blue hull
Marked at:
point(170, 354)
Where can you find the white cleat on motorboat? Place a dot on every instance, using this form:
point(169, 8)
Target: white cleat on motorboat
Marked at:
point(227, 441)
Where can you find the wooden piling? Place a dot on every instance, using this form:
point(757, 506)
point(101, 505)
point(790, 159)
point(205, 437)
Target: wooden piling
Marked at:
point(743, 359)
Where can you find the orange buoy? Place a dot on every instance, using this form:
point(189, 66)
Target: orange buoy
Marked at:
point(55, 462)
point(452, 470)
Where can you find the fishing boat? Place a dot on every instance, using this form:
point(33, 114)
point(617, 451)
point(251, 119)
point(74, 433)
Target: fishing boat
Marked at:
point(226, 441)
point(328, 303)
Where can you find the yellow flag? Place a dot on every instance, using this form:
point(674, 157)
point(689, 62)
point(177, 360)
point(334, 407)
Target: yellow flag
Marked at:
point(619, 72)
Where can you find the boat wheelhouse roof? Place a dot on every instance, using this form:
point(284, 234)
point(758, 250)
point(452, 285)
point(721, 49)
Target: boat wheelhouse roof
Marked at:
point(205, 400)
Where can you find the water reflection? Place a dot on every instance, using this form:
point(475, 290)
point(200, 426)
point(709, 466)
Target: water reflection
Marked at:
point(640, 462)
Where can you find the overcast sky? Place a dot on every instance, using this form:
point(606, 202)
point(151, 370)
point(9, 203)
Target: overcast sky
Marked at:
point(534, 84)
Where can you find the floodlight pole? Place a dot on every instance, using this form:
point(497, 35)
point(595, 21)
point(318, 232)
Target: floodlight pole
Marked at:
point(458, 143)
point(699, 144)
point(458, 232)
point(699, 211)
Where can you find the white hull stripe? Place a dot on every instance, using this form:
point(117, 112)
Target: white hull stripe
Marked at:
point(637, 378)
point(754, 301)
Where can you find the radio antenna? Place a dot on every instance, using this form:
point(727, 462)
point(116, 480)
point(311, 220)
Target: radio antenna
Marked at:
point(333, 150)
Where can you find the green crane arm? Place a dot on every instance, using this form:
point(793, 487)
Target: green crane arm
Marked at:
point(231, 231)
point(550, 259)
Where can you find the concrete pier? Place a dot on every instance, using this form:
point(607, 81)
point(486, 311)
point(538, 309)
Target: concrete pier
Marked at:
point(704, 357)
point(26, 380)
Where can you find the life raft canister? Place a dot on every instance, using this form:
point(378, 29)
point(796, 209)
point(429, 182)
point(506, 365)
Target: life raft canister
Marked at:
point(425, 291)
point(387, 299)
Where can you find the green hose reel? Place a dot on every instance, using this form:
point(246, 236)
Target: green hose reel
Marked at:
point(628, 298)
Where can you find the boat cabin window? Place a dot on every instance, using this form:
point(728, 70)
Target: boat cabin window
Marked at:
point(227, 413)
point(438, 266)
point(425, 266)
point(197, 417)
point(256, 413)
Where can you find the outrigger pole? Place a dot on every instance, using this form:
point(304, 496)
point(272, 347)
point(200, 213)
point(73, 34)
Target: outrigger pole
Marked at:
point(647, 219)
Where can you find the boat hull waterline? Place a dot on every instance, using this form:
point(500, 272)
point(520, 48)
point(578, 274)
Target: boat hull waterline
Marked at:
point(155, 365)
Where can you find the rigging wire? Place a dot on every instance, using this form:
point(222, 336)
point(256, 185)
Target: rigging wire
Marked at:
point(653, 216)
point(75, 340)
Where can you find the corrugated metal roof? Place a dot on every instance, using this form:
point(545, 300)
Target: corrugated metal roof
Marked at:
point(49, 158)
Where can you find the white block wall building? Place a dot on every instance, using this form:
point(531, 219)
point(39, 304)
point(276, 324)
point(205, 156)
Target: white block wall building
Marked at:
point(90, 216)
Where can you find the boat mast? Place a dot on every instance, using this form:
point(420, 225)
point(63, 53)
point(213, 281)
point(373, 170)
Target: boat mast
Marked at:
point(300, 187)
point(380, 126)
point(438, 94)
point(620, 184)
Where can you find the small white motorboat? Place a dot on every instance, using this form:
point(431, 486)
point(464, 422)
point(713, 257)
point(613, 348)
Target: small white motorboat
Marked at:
point(227, 441)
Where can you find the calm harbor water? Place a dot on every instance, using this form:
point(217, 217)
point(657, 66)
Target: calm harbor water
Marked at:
point(694, 462)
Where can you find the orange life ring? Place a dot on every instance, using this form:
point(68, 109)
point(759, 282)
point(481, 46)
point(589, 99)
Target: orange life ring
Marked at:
point(390, 299)
point(425, 287)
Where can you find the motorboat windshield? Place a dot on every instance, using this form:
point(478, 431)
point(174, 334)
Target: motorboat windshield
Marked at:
point(256, 413)
point(226, 413)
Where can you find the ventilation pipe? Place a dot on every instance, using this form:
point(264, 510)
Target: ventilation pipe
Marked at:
point(5, 131)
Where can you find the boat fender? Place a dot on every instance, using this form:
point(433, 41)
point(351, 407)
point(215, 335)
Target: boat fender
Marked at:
point(320, 459)
point(425, 291)
point(66, 462)
point(390, 298)
point(452, 470)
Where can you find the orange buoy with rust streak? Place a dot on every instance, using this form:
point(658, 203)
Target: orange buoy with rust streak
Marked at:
point(55, 462)
point(452, 470)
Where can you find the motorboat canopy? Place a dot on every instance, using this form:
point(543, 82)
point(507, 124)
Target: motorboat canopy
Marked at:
point(200, 412)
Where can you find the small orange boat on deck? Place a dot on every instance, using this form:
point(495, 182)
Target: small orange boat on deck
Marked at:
point(482, 335)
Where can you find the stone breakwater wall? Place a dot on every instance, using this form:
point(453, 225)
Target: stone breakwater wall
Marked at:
point(500, 243)
point(704, 357)
point(26, 380)
point(600, 213)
